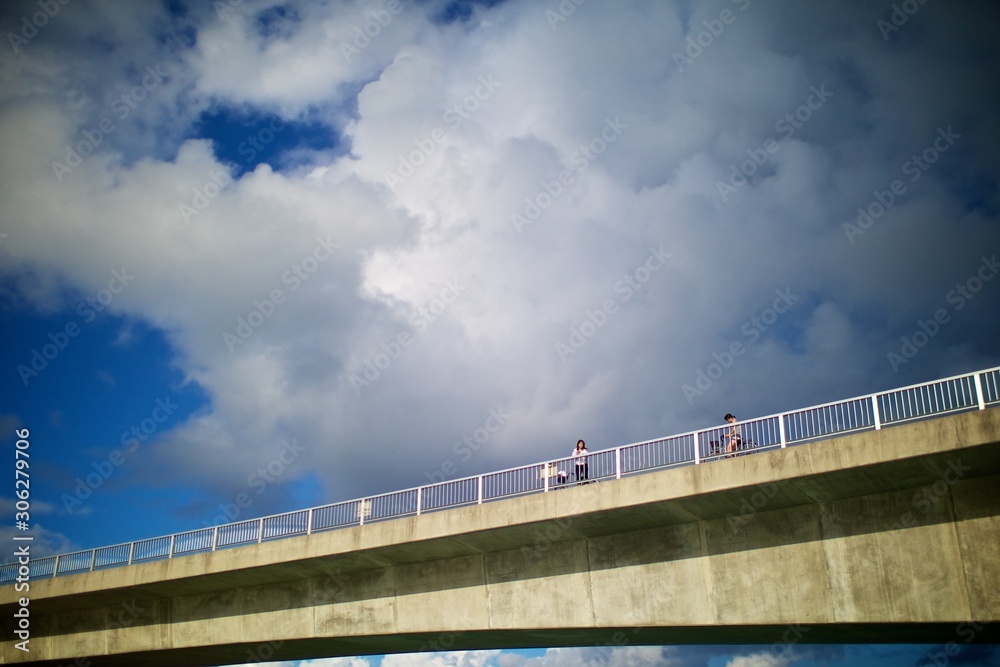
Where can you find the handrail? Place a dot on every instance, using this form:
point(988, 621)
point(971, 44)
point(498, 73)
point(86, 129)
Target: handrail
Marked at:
point(981, 389)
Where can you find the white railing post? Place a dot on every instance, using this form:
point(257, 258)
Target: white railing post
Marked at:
point(215, 537)
point(309, 521)
point(364, 507)
point(93, 559)
point(781, 431)
point(131, 552)
point(55, 568)
point(546, 469)
point(618, 462)
point(479, 491)
point(697, 449)
point(875, 414)
point(419, 489)
point(979, 391)
point(173, 540)
point(260, 530)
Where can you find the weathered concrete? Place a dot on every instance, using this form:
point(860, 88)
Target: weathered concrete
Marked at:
point(877, 536)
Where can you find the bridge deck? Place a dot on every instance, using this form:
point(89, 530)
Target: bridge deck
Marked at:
point(886, 535)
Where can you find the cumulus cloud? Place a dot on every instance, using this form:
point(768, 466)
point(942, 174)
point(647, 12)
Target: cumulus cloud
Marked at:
point(757, 660)
point(446, 659)
point(610, 656)
point(504, 181)
point(44, 542)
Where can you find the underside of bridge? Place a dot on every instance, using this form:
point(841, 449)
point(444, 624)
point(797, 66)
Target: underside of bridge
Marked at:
point(881, 536)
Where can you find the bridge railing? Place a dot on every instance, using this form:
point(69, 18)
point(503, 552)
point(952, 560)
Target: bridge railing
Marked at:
point(151, 549)
point(823, 421)
point(989, 382)
point(971, 391)
point(932, 399)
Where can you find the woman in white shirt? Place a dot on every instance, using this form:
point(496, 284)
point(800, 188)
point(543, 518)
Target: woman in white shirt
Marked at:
point(580, 458)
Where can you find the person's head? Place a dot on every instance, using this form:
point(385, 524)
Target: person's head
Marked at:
point(729, 417)
point(580, 444)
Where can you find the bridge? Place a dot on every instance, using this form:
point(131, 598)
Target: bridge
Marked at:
point(874, 519)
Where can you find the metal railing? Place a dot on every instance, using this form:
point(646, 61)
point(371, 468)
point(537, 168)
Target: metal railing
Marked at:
point(971, 391)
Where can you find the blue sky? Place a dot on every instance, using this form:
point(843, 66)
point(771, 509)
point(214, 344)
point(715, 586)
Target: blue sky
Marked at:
point(353, 230)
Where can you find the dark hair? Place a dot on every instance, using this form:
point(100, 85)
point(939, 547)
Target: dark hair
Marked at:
point(578, 443)
point(729, 416)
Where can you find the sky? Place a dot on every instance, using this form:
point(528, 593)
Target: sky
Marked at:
point(300, 252)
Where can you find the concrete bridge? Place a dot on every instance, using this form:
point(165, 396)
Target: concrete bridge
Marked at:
point(881, 536)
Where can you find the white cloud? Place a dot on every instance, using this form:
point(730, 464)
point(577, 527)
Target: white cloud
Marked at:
point(757, 660)
point(305, 55)
point(444, 659)
point(542, 94)
point(38, 507)
point(44, 542)
point(608, 656)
